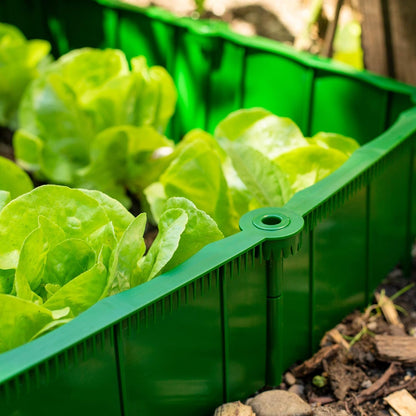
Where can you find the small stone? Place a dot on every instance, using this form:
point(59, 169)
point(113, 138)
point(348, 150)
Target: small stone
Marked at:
point(280, 403)
point(290, 379)
point(366, 384)
point(328, 411)
point(407, 377)
point(369, 357)
point(234, 409)
point(248, 401)
point(372, 326)
point(298, 389)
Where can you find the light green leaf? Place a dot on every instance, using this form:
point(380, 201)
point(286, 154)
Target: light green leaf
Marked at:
point(116, 212)
point(6, 281)
point(156, 198)
point(89, 69)
point(28, 150)
point(77, 214)
point(67, 260)
point(270, 135)
point(29, 279)
point(196, 174)
point(171, 225)
point(237, 122)
point(4, 198)
point(13, 179)
point(129, 251)
point(51, 289)
point(335, 141)
point(307, 165)
point(61, 313)
point(264, 180)
point(155, 95)
point(20, 62)
point(50, 327)
point(20, 321)
point(199, 231)
point(80, 293)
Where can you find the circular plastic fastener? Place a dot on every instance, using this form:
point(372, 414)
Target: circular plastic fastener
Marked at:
point(271, 221)
point(279, 222)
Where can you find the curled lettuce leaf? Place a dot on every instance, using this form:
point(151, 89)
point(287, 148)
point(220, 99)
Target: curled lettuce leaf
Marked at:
point(20, 62)
point(344, 144)
point(20, 321)
point(196, 173)
point(125, 157)
point(183, 230)
point(13, 179)
point(305, 166)
point(261, 130)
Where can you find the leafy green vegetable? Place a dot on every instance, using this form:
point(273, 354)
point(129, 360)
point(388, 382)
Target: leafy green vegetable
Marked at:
point(258, 160)
point(20, 321)
point(261, 130)
point(125, 156)
point(307, 165)
point(335, 141)
point(13, 180)
point(129, 250)
point(62, 250)
point(264, 180)
point(196, 174)
point(20, 62)
point(183, 230)
point(81, 292)
point(65, 115)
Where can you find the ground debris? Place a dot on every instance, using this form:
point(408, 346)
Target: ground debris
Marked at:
point(314, 363)
point(397, 348)
point(343, 377)
point(402, 402)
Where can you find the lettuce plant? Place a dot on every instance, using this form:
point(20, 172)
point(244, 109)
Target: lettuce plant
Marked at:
point(13, 181)
point(62, 250)
point(255, 159)
point(290, 160)
point(68, 110)
point(20, 62)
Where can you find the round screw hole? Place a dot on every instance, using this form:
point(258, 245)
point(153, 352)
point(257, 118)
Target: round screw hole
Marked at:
point(271, 220)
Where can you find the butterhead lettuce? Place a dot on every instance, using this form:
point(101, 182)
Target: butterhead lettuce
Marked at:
point(68, 114)
point(21, 61)
point(63, 249)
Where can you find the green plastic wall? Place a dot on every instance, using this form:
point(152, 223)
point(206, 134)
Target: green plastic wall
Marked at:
point(216, 328)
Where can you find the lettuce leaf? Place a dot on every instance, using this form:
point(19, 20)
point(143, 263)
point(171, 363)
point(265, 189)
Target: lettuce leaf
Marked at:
point(20, 321)
point(196, 174)
point(183, 230)
point(261, 130)
point(307, 165)
point(129, 250)
point(13, 179)
point(344, 144)
point(20, 62)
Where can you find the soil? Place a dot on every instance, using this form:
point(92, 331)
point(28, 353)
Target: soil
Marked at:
point(357, 378)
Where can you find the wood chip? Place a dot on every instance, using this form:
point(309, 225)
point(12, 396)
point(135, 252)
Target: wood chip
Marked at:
point(336, 336)
point(402, 402)
point(389, 311)
point(315, 362)
point(396, 348)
